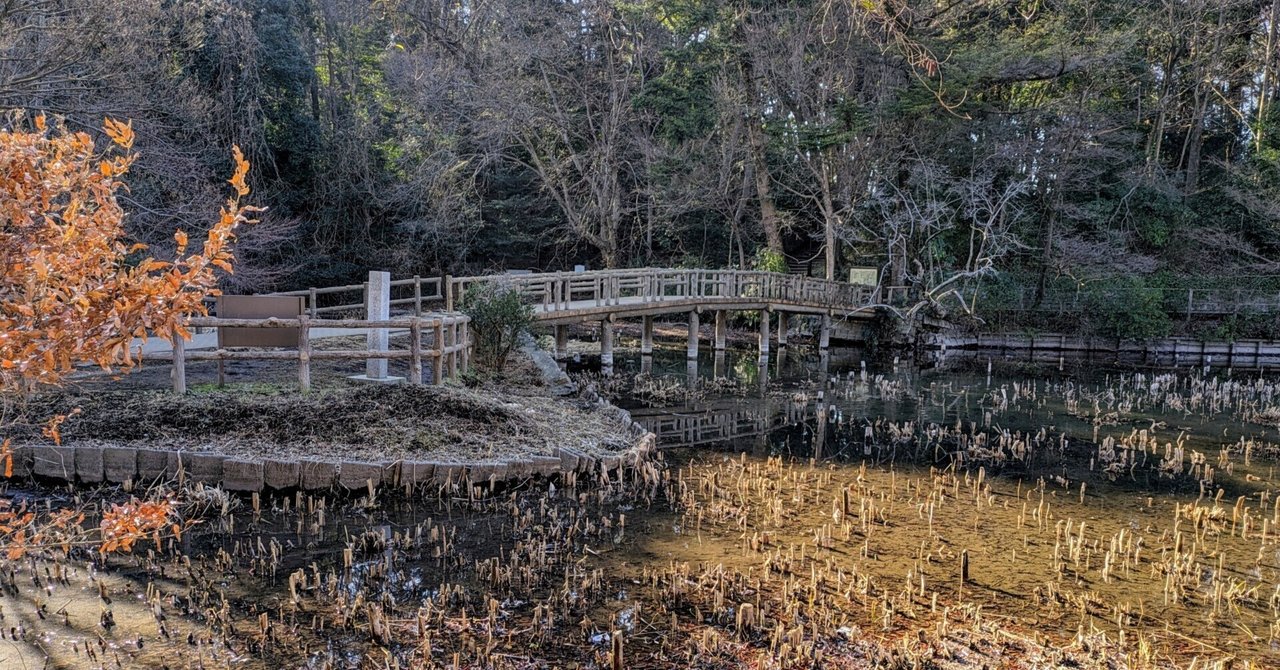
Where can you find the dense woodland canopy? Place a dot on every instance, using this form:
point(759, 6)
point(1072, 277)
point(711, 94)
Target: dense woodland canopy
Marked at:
point(1066, 143)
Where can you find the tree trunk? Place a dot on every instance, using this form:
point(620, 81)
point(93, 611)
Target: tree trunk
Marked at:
point(759, 159)
point(829, 225)
point(764, 190)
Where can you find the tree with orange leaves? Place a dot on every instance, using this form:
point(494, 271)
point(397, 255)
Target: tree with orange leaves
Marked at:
point(72, 289)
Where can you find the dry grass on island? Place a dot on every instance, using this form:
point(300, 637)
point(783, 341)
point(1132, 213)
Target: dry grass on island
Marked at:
point(514, 416)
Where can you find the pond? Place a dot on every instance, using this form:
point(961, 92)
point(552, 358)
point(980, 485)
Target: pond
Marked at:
point(807, 513)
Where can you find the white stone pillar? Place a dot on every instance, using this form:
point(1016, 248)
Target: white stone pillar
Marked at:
point(377, 308)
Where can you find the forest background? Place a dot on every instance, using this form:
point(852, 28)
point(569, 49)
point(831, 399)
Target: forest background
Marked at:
point(989, 154)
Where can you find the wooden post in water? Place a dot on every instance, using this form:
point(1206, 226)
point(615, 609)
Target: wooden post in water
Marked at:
point(562, 340)
point(722, 330)
point(646, 335)
point(824, 336)
point(606, 343)
point(764, 333)
point(692, 344)
point(784, 323)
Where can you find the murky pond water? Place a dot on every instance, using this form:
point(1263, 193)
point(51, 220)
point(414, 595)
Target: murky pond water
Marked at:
point(807, 513)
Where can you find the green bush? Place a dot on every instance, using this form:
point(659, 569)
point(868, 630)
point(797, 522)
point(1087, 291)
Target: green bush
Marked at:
point(1129, 309)
point(499, 315)
point(768, 260)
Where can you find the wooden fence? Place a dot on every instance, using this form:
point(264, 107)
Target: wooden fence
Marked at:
point(1158, 352)
point(413, 292)
point(448, 348)
point(1183, 303)
point(565, 291)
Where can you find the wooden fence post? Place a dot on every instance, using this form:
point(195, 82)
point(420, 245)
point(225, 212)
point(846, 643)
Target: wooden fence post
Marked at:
point(179, 363)
point(417, 295)
point(453, 346)
point(311, 297)
point(448, 293)
point(437, 364)
point(304, 353)
point(415, 349)
point(466, 346)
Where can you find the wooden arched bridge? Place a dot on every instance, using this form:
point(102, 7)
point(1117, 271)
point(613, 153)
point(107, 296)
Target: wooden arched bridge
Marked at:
point(564, 298)
point(439, 335)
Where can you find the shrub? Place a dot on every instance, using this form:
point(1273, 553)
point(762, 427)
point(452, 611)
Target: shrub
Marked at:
point(498, 316)
point(1129, 309)
point(769, 260)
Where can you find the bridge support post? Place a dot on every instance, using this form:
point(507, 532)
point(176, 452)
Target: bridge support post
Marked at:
point(764, 333)
point(722, 329)
point(824, 335)
point(784, 323)
point(692, 353)
point(562, 340)
point(606, 344)
point(646, 335)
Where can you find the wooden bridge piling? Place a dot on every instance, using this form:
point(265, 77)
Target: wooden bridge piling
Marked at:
point(784, 323)
point(722, 329)
point(764, 333)
point(692, 348)
point(606, 343)
point(646, 336)
point(562, 340)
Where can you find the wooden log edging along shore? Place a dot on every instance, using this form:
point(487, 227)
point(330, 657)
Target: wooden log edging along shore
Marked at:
point(92, 465)
point(1251, 354)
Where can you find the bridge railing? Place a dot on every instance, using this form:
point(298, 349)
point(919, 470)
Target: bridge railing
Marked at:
point(556, 291)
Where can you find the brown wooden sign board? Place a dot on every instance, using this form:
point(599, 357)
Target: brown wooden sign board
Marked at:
point(259, 307)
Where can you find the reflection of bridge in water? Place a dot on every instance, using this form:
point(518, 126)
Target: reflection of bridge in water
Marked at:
point(721, 424)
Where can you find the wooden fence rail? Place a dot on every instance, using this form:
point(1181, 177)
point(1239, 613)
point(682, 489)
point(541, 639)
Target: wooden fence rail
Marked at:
point(414, 292)
point(448, 348)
